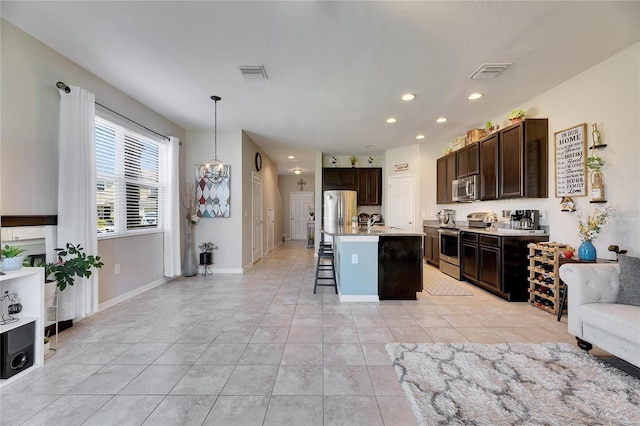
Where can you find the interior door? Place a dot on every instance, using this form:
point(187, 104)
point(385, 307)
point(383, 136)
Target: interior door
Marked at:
point(299, 213)
point(401, 202)
point(270, 229)
point(256, 209)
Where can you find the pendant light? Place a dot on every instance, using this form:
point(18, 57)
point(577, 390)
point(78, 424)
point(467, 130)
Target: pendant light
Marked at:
point(214, 170)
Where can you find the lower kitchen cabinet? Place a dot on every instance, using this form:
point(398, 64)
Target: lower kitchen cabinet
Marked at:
point(469, 259)
point(432, 245)
point(498, 264)
point(399, 267)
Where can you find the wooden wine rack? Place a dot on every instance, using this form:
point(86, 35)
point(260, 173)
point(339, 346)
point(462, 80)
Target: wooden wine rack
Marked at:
point(545, 286)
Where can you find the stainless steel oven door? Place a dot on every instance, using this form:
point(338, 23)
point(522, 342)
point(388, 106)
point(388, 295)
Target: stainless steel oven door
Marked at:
point(450, 246)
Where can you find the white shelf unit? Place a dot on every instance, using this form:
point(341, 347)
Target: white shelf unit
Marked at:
point(28, 285)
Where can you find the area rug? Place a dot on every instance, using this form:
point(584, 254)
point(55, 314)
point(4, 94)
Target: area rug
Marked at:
point(436, 283)
point(513, 384)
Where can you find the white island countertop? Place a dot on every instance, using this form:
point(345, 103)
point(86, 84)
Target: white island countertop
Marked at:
point(376, 231)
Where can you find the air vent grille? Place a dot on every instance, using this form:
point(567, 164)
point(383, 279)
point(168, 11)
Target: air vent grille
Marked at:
point(487, 71)
point(254, 72)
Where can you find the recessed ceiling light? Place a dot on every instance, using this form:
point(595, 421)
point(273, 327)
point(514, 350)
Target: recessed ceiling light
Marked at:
point(391, 120)
point(441, 120)
point(371, 146)
point(291, 157)
point(420, 137)
point(408, 97)
point(474, 96)
point(297, 171)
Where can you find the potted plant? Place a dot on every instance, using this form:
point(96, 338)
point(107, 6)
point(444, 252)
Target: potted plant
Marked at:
point(312, 212)
point(491, 127)
point(353, 159)
point(206, 253)
point(516, 116)
point(11, 258)
point(72, 262)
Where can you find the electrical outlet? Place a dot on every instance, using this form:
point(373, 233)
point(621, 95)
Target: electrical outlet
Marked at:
point(117, 268)
point(354, 258)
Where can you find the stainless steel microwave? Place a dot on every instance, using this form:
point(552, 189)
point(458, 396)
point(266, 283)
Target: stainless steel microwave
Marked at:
point(466, 189)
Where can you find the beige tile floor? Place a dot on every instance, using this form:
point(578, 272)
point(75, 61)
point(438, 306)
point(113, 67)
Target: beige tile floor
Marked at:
point(255, 349)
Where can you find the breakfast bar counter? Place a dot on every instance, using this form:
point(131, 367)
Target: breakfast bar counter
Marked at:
point(377, 264)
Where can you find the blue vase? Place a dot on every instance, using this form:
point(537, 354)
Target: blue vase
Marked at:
point(587, 251)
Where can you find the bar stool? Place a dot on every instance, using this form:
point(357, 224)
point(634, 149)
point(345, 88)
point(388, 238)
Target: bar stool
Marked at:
point(325, 251)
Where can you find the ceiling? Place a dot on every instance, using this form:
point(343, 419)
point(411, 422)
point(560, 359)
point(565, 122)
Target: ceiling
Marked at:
point(336, 70)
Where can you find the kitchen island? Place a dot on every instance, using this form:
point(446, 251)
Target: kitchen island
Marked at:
point(378, 264)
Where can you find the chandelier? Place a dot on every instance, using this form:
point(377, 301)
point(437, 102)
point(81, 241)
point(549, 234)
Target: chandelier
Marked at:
point(215, 170)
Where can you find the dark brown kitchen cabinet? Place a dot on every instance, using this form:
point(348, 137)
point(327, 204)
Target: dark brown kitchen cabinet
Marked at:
point(489, 168)
point(445, 175)
point(490, 265)
point(469, 256)
point(432, 245)
point(467, 161)
point(523, 163)
point(339, 178)
point(369, 186)
point(497, 264)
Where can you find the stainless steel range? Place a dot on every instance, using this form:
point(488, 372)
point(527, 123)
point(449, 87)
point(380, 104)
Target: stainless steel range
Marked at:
point(450, 252)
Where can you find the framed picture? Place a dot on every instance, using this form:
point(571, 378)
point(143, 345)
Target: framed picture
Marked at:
point(571, 161)
point(213, 201)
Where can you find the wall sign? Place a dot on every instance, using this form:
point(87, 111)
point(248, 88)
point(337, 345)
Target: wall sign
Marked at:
point(571, 168)
point(402, 167)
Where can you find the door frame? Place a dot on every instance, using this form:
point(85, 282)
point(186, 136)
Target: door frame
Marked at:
point(412, 176)
point(255, 176)
point(313, 199)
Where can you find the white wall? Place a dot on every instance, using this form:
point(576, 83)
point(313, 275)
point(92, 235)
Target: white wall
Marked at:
point(226, 233)
point(607, 94)
point(29, 148)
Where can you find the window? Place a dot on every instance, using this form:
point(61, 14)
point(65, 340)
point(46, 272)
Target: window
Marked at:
point(129, 180)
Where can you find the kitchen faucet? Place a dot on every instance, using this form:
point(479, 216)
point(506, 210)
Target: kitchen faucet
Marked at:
point(370, 222)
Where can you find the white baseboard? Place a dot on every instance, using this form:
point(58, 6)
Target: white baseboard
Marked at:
point(112, 302)
point(358, 298)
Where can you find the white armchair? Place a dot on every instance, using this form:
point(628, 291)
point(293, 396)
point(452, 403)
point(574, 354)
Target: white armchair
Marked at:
point(595, 317)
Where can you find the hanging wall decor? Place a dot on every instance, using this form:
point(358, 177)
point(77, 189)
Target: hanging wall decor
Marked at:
point(213, 200)
point(571, 170)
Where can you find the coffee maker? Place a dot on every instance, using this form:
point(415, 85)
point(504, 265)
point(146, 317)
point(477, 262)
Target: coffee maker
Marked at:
point(529, 219)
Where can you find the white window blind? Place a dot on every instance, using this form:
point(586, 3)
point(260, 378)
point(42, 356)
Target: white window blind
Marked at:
point(130, 180)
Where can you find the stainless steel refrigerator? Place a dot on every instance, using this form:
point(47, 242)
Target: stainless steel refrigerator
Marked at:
point(340, 207)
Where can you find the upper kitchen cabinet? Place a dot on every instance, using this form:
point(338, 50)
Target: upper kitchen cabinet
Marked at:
point(446, 174)
point(468, 161)
point(339, 178)
point(489, 167)
point(368, 183)
point(523, 163)
point(369, 186)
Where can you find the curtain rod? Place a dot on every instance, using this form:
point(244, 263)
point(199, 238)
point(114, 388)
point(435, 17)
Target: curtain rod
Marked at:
point(62, 86)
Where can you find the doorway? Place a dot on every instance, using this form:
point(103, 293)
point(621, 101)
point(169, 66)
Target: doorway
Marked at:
point(401, 196)
point(270, 229)
point(256, 214)
point(299, 213)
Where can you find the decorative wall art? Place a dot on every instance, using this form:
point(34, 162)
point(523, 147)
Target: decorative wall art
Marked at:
point(571, 170)
point(213, 201)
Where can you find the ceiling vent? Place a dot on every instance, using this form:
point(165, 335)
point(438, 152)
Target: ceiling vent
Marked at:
point(253, 72)
point(487, 71)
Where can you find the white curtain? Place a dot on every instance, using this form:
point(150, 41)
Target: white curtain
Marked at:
point(77, 213)
point(172, 211)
